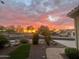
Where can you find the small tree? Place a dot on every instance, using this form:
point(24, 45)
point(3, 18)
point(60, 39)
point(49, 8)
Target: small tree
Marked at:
point(3, 41)
point(44, 30)
point(35, 39)
point(47, 39)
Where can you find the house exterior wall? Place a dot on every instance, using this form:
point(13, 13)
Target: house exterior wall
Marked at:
point(75, 14)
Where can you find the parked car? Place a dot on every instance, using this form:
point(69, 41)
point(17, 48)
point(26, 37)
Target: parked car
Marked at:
point(14, 42)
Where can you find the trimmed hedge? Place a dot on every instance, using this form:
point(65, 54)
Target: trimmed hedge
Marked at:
point(72, 53)
point(35, 39)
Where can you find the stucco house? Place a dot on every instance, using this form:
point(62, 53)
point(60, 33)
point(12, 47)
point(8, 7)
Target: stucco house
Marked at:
point(75, 15)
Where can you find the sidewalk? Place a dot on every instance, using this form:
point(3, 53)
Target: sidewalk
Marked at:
point(37, 52)
point(47, 52)
point(55, 53)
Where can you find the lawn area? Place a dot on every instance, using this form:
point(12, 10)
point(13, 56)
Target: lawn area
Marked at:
point(21, 52)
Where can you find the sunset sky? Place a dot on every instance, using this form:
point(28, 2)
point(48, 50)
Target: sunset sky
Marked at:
point(51, 13)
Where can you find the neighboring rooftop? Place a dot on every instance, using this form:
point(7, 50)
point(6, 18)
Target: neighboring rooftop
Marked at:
point(74, 12)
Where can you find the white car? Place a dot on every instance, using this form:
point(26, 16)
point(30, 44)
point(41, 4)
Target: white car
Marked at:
point(14, 42)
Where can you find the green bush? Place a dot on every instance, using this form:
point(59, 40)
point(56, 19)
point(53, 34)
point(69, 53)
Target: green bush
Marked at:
point(72, 53)
point(24, 41)
point(3, 41)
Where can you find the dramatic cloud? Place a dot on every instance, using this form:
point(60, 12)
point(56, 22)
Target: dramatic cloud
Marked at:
point(41, 12)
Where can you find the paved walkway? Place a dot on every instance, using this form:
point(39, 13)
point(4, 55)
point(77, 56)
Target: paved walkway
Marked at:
point(47, 52)
point(55, 53)
point(38, 52)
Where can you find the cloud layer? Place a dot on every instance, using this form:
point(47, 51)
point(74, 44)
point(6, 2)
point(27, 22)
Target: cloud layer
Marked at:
point(37, 12)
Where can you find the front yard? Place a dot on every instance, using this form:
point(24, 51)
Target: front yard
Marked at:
point(21, 52)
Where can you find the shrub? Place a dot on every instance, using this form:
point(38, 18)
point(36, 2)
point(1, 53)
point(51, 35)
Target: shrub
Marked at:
point(35, 38)
point(24, 41)
point(47, 39)
point(72, 53)
point(3, 41)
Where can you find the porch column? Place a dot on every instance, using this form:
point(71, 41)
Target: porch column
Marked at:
point(77, 31)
